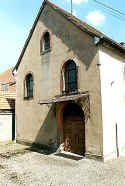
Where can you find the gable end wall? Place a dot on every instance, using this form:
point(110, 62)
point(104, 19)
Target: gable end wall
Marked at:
point(37, 123)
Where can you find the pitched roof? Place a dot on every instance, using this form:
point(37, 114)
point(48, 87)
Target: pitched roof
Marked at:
point(79, 23)
point(7, 76)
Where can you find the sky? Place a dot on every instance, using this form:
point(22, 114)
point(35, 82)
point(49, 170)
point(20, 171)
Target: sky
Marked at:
point(17, 17)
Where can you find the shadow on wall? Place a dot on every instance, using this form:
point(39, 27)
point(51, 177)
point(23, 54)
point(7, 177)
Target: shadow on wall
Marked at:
point(13, 126)
point(77, 41)
point(11, 103)
point(47, 135)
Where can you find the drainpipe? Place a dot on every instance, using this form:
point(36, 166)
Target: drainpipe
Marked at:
point(117, 149)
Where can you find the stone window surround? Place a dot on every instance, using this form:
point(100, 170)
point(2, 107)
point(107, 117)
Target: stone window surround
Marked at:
point(62, 78)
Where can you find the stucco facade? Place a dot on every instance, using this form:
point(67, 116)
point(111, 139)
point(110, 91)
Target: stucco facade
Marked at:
point(112, 75)
point(7, 106)
point(7, 126)
point(7, 116)
point(40, 123)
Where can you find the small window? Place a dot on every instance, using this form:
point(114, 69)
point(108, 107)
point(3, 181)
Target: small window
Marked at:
point(29, 86)
point(5, 87)
point(46, 41)
point(70, 75)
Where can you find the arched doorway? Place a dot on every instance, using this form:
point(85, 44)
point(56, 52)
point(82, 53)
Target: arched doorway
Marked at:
point(74, 129)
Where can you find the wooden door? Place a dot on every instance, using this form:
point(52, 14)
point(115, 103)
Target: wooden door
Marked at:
point(74, 135)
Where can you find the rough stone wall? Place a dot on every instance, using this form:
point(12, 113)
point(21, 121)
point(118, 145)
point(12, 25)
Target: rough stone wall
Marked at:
point(37, 123)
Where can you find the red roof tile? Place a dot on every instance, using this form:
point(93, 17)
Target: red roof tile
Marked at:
point(7, 76)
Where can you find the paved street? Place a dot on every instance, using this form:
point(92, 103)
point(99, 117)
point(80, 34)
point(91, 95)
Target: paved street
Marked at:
point(20, 165)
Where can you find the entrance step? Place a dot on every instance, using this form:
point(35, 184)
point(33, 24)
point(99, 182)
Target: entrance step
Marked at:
point(70, 155)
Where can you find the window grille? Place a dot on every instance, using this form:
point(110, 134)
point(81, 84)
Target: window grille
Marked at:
point(70, 76)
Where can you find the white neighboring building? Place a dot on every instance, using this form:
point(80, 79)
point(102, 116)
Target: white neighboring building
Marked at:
point(7, 106)
point(112, 75)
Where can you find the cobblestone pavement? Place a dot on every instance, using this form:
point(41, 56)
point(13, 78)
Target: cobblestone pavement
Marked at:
point(20, 165)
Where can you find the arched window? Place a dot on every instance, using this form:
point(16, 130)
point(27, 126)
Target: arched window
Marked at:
point(46, 41)
point(29, 86)
point(70, 76)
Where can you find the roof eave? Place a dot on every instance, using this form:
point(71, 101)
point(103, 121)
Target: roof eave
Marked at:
point(104, 38)
point(115, 45)
point(29, 36)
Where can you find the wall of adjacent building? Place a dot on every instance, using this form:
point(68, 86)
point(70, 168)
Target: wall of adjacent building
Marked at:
point(37, 123)
point(7, 116)
point(112, 75)
point(6, 126)
point(7, 81)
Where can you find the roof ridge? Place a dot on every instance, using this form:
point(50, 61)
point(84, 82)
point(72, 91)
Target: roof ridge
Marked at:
point(63, 10)
point(83, 22)
point(7, 70)
point(76, 21)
